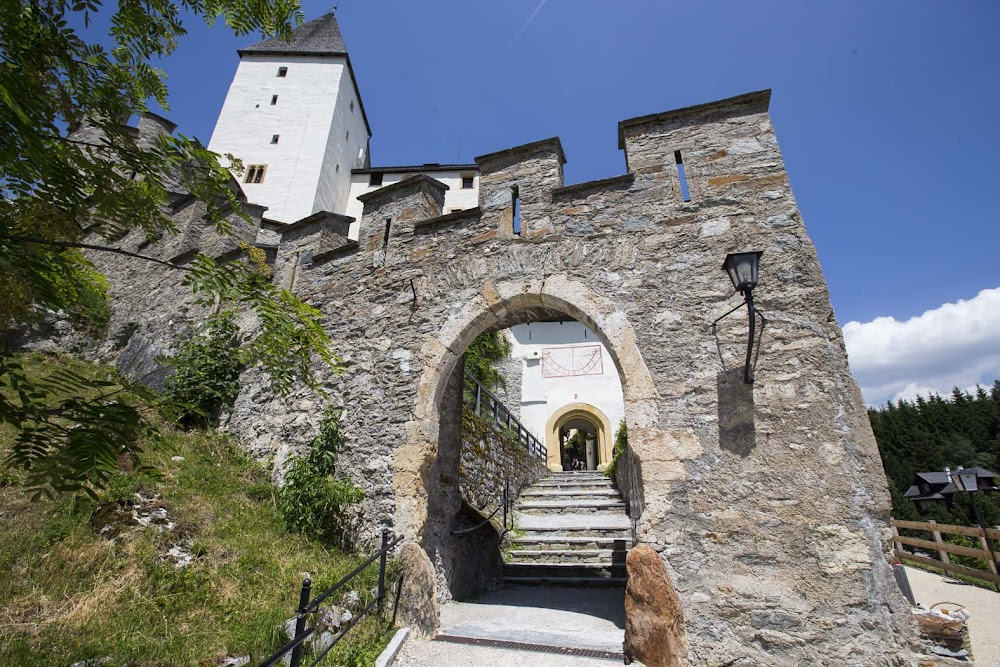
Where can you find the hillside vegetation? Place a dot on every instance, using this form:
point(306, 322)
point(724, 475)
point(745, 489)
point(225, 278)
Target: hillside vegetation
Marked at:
point(931, 433)
point(183, 567)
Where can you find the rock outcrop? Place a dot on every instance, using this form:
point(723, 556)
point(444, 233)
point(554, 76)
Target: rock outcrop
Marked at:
point(654, 620)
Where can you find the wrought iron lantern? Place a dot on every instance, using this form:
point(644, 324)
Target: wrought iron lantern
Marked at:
point(744, 270)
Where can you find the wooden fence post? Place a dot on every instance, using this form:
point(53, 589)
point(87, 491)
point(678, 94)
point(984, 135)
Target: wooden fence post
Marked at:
point(943, 555)
point(986, 548)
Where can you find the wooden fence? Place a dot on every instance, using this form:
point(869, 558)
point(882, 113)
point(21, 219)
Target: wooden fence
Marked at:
point(937, 544)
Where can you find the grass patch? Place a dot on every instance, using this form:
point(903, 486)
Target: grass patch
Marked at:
point(83, 580)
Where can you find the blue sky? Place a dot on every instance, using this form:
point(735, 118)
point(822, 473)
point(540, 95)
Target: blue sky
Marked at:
point(886, 113)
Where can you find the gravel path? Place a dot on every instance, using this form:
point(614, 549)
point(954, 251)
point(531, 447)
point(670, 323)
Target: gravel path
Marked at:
point(984, 605)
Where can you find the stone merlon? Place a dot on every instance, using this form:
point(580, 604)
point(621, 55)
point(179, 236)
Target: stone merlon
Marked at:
point(405, 188)
point(740, 105)
point(500, 159)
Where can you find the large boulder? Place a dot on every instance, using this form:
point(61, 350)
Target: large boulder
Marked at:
point(418, 607)
point(654, 620)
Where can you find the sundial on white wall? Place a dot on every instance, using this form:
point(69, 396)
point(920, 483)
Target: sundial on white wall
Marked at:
point(572, 361)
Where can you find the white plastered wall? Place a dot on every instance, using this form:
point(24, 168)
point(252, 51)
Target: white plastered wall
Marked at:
point(455, 198)
point(542, 396)
point(348, 135)
point(303, 117)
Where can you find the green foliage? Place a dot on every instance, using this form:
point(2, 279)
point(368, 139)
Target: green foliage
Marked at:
point(206, 372)
point(576, 445)
point(483, 355)
point(313, 501)
point(69, 592)
point(290, 332)
point(621, 443)
point(33, 279)
point(73, 424)
point(60, 193)
point(930, 433)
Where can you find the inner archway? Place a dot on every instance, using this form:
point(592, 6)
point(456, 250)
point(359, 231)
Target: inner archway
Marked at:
point(581, 417)
point(426, 473)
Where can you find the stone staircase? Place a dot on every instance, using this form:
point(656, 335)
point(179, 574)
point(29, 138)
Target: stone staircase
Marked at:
point(572, 530)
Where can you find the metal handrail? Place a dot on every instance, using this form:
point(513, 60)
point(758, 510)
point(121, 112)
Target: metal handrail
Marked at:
point(523, 436)
point(307, 606)
point(504, 505)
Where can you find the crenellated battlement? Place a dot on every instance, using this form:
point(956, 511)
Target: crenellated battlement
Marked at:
point(726, 148)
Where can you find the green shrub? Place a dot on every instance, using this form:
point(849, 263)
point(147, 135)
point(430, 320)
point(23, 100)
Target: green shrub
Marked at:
point(313, 501)
point(621, 442)
point(205, 380)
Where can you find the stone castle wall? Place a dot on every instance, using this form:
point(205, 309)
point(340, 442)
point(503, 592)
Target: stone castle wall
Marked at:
point(776, 540)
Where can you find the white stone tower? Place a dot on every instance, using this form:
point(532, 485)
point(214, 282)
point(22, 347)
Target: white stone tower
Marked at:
point(293, 115)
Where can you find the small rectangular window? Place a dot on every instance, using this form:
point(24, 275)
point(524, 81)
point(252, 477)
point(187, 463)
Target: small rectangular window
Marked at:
point(282, 71)
point(375, 178)
point(274, 100)
point(255, 173)
point(468, 182)
point(274, 138)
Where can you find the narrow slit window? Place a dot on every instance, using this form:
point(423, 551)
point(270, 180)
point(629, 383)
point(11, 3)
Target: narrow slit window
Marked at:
point(685, 193)
point(516, 214)
point(352, 106)
point(274, 138)
point(274, 100)
point(347, 137)
point(385, 237)
point(282, 71)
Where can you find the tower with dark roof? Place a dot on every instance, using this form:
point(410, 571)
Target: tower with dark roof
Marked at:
point(293, 116)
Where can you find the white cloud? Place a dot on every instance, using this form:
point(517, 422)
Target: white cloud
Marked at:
point(954, 345)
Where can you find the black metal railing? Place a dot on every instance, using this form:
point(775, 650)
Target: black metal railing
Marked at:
point(503, 505)
point(310, 605)
point(486, 405)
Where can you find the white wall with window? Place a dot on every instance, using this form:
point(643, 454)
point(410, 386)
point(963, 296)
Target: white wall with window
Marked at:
point(564, 362)
point(462, 182)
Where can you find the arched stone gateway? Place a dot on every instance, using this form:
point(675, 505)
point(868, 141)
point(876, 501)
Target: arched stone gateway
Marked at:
point(767, 502)
point(574, 416)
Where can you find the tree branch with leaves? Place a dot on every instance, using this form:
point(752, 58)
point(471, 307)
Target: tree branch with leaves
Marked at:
point(62, 197)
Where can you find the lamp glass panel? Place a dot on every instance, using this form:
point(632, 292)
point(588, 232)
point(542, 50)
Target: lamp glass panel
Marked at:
point(968, 481)
point(743, 268)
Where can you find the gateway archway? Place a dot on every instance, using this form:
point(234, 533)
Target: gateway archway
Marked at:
point(427, 474)
point(585, 418)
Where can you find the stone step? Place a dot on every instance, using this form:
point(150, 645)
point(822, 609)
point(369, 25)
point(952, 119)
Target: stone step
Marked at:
point(570, 484)
point(582, 582)
point(580, 475)
point(605, 556)
point(543, 542)
point(587, 506)
point(540, 494)
point(586, 525)
point(575, 498)
point(551, 570)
